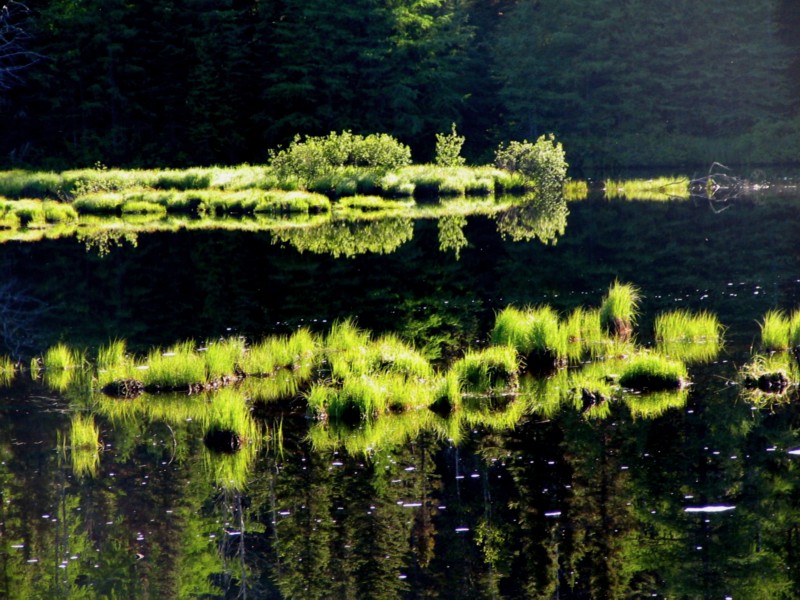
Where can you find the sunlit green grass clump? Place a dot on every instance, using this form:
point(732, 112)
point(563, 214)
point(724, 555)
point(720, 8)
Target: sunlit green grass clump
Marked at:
point(653, 372)
point(681, 334)
point(536, 333)
point(619, 309)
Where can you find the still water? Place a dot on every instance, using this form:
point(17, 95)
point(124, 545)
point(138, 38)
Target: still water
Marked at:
point(689, 497)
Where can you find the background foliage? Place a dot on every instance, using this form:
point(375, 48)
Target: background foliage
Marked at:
point(657, 82)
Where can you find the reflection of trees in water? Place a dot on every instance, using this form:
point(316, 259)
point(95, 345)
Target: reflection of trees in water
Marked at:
point(105, 240)
point(451, 234)
point(540, 216)
point(350, 238)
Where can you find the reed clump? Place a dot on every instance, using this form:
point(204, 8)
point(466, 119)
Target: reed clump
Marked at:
point(178, 367)
point(61, 357)
point(619, 309)
point(687, 336)
point(536, 333)
point(489, 370)
point(653, 372)
point(775, 330)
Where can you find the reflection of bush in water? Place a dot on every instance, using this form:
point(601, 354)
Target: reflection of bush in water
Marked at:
point(451, 234)
point(541, 216)
point(350, 238)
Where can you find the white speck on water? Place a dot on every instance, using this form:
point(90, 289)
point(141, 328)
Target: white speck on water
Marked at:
point(712, 508)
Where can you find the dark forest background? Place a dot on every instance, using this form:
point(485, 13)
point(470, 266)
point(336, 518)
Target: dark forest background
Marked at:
point(189, 82)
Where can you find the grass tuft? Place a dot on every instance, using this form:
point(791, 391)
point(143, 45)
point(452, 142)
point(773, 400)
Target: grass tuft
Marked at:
point(619, 309)
point(653, 372)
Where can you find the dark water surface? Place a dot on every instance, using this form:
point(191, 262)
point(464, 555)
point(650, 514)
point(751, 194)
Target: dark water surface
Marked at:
point(701, 500)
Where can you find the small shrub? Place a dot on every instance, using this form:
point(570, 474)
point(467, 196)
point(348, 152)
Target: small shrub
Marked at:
point(311, 157)
point(544, 161)
point(448, 148)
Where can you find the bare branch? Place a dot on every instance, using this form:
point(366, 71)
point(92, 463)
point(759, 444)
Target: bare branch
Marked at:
point(14, 54)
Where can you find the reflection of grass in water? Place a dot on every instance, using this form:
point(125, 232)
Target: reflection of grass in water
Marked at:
point(227, 410)
point(655, 404)
point(683, 326)
point(282, 385)
point(350, 238)
point(654, 372)
point(505, 415)
point(690, 352)
point(7, 370)
point(230, 471)
point(84, 440)
point(660, 188)
point(575, 190)
point(595, 383)
point(493, 368)
point(58, 380)
point(545, 395)
point(775, 330)
point(391, 430)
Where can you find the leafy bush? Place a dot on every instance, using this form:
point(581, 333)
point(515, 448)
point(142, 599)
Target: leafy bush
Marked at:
point(448, 148)
point(311, 157)
point(544, 162)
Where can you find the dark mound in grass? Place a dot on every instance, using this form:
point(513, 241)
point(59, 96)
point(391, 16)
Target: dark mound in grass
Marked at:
point(124, 388)
point(223, 441)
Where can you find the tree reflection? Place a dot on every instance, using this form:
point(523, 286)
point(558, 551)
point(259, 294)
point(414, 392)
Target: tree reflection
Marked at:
point(538, 216)
point(349, 238)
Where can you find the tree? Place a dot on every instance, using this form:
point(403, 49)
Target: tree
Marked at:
point(638, 81)
point(15, 56)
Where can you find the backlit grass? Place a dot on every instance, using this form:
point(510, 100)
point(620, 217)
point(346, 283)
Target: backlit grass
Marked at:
point(222, 357)
point(653, 372)
point(689, 337)
point(619, 308)
point(775, 328)
point(176, 368)
point(62, 357)
point(492, 369)
point(536, 333)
